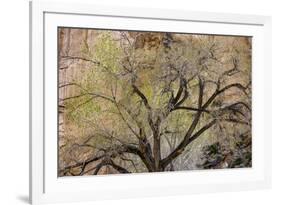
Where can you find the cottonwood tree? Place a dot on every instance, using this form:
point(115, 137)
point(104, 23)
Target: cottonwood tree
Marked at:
point(146, 97)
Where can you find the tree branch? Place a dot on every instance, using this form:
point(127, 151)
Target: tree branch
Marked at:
point(142, 96)
point(180, 148)
point(220, 91)
point(80, 58)
point(191, 109)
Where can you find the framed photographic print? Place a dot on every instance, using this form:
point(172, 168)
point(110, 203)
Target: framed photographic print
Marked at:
point(129, 102)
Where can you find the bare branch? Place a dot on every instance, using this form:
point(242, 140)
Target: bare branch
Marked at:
point(191, 109)
point(218, 92)
point(142, 96)
point(186, 140)
point(80, 58)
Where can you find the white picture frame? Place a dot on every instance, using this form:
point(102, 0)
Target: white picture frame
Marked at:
point(46, 187)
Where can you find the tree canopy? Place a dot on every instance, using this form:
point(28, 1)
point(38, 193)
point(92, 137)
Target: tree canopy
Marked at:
point(134, 102)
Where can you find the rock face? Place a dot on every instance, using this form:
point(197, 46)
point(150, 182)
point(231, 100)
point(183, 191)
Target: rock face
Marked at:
point(147, 40)
point(71, 44)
